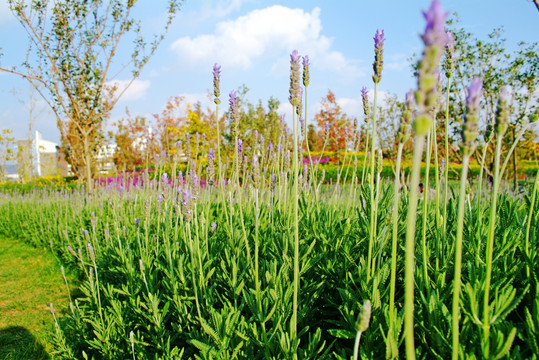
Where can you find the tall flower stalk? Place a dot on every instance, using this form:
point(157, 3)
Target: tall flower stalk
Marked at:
point(426, 96)
point(502, 118)
point(295, 101)
point(449, 65)
point(377, 65)
point(469, 136)
point(217, 101)
point(403, 135)
point(366, 112)
point(234, 121)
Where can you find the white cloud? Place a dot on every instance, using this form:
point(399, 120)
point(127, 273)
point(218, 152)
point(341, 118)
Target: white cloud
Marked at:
point(271, 31)
point(135, 91)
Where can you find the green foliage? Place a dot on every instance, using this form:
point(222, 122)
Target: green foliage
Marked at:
point(144, 280)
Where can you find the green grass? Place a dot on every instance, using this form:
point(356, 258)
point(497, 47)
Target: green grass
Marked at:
point(30, 280)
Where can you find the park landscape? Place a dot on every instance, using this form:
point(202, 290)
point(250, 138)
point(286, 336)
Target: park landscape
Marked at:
point(235, 233)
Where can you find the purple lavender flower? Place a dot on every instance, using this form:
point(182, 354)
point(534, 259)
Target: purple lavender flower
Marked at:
point(435, 39)
point(70, 249)
point(435, 30)
point(213, 227)
point(365, 100)
point(137, 222)
point(295, 96)
point(502, 112)
point(469, 127)
point(406, 119)
point(159, 200)
point(91, 252)
point(233, 110)
point(240, 147)
point(306, 75)
point(378, 64)
point(216, 82)
point(474, 93)
point(326, 127)
point(186, 204)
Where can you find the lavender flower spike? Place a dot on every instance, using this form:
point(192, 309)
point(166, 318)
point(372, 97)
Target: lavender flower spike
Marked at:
point(234, 115)
point(469, 127)
point(365, 99)
point(306, 75)
point(295, 95)
point(378, 64)
point(405, 123)
point(435, 39)
point(449, 51)
point(435, 31)
point(186, 204)
point(216, 83)
point(502, 112)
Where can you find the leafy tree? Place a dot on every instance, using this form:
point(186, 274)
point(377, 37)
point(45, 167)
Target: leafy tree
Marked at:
point(339, 124)
point(202, 129)
point(69, 62)
point(6, 152)
point(168, 122)
point(131, 142)
point(490, 60)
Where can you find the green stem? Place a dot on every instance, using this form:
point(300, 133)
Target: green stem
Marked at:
point(424, 214)
point(530, 216)
point(395, 221)
point(356, 345)
point(295, 204)
point(409, 262)
point(446, 143)
point(372, 227)
point(458, 257)
point(490, 246)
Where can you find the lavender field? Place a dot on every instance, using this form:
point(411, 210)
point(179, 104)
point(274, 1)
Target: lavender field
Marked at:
point(254, 247)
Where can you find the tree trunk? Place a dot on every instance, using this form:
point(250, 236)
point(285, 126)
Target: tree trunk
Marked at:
point(87, 163)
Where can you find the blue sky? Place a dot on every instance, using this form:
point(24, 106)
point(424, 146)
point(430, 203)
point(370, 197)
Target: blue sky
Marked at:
point(252, 40)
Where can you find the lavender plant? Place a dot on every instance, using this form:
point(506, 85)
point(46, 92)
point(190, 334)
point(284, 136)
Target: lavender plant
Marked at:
point(426, 94)
point(469, 136)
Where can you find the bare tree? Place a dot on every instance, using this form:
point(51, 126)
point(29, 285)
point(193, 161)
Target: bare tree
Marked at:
point(70, 63)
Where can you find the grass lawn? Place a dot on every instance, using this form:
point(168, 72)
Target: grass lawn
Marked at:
point(30, 279)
